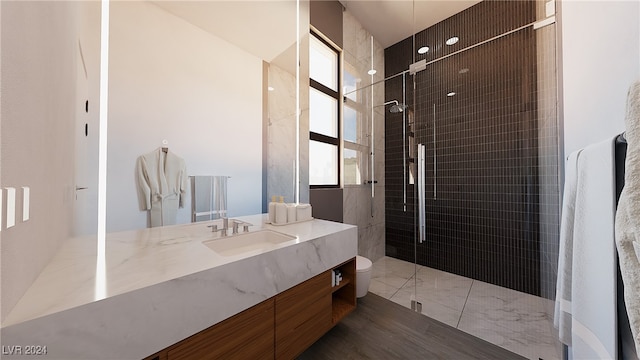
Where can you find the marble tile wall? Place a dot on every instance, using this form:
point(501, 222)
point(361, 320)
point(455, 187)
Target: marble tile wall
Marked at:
point(359, 207)
point(281, 130)
point(281, 122)
point(281, 136)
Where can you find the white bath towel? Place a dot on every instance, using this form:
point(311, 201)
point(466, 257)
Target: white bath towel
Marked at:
point(585, 309)
point(562, 316)
point(220, 195)
point(593, 283)
point(209, 200)
point(628, 215)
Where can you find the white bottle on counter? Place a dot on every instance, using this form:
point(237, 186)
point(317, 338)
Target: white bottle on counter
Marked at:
point(272, 210)
point(281, 212)
point(303, 212)
point(291, 213)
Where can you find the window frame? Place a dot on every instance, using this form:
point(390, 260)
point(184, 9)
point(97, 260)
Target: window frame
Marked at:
point(337, 95)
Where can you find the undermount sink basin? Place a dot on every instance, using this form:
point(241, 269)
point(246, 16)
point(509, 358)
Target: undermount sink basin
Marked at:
point(245, 242)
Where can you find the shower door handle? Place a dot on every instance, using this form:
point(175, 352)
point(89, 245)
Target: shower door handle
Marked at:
point(421, 193)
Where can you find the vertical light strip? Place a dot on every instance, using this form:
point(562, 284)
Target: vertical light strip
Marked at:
point(297, 165)
point(1, 193)
point(101, 283)
point(373, 127)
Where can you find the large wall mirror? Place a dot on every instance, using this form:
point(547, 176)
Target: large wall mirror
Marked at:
point(214, 82)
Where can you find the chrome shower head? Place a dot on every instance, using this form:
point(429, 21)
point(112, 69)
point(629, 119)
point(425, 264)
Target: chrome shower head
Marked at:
point(397, 108)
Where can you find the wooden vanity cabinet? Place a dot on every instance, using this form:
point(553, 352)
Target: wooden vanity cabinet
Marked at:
point(281, 327)
point(303, 315)
point(247, 335)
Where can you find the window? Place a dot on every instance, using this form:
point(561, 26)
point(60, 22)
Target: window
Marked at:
point(323, 63)
point(324, 114)
point(351, 124)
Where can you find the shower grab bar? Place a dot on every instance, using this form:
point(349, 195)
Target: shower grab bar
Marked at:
point(421, 193)
point(404, 148)
point(435, 162)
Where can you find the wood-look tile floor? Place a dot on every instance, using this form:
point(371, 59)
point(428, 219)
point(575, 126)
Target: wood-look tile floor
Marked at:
point(382, 329)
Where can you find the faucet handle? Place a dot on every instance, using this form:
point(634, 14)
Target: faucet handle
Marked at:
point(236, 223)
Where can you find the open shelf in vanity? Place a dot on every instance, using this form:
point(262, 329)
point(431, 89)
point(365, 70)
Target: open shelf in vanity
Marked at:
point(343, 295)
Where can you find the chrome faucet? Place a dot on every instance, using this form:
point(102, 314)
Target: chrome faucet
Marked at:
point(225, 226)
point(235, 224)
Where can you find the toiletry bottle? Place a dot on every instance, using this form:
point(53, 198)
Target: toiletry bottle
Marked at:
point(291, 213)
point(272, 210)
point(281, 212)
point(303, 212)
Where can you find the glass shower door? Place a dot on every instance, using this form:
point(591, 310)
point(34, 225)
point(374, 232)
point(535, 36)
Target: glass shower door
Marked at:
point(487, 184)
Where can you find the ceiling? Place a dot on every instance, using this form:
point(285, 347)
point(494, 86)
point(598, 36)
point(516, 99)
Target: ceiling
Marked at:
point(390, 21)
point(266, 28)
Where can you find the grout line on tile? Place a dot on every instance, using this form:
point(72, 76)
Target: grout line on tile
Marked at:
point(465, 303)
point(394, 294)
point(406, 282)
point(403, 285)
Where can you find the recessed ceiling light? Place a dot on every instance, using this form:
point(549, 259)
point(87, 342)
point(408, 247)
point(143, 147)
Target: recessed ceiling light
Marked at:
point(451, 94)
point(423, 50)
point(371, 72)
point(452, 40)
point(270, 88)
point(463, 71)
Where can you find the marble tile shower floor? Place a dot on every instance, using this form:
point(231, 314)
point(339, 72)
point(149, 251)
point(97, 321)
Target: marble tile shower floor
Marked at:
point(511, 319)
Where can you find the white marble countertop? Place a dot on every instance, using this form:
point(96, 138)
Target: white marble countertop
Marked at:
point(147, 263)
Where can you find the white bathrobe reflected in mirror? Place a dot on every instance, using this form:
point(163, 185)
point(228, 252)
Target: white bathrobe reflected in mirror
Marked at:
point(162, 184)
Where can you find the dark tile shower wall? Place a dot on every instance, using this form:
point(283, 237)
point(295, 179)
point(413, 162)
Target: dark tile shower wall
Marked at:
point(483, 173)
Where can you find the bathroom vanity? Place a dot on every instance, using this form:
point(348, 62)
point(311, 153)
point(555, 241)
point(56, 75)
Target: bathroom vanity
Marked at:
point(281, 327)
point(166, 293)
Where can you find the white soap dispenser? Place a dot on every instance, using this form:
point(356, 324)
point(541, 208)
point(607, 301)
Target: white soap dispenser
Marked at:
point(272, 210)
point(291, 213)
point(281, 212)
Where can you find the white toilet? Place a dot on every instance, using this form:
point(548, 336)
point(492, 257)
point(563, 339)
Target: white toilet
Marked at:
point(363, 275)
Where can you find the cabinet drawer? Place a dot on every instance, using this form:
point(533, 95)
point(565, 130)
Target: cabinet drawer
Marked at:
point(303, 315)
point(248, 335)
